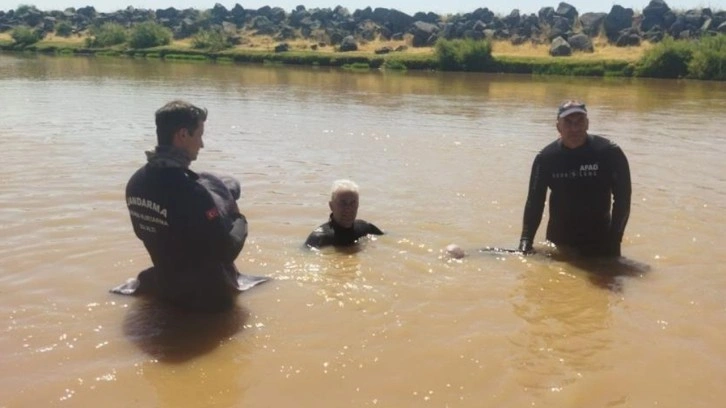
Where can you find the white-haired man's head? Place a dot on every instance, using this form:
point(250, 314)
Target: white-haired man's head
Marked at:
point(344, 202)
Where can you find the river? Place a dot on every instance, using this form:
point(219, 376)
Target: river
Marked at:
point(440, 158)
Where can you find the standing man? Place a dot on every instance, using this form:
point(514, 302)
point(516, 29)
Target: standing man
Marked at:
point(191, 245)
point(585, 174)
point(343, 228)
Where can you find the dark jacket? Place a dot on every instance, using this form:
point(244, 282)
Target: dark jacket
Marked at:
point(191, 245)
point(583, 183)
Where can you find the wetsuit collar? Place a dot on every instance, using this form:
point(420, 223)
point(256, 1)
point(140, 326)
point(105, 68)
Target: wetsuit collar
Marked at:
point(336, 226)
point(168, 156)
point(588, 140)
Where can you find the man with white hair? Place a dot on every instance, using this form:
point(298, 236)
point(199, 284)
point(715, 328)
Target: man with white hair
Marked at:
point(589, 181)
point(343, 228)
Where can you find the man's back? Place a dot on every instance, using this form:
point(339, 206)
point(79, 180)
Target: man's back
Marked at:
point(180, 227)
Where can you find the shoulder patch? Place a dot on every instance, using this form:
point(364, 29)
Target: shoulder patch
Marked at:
point(212, 213)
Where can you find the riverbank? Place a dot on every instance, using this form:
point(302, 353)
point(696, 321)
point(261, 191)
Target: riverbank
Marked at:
point(606, 60)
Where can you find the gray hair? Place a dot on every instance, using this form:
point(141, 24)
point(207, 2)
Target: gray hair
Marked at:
point(341, 186)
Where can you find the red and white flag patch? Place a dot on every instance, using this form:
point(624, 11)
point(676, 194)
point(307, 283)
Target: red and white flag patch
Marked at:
point(212, 213)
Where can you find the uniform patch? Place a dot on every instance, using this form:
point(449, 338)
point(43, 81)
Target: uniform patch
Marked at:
point(212, 213)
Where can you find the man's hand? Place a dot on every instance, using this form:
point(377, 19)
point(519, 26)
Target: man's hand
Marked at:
point(525, 246)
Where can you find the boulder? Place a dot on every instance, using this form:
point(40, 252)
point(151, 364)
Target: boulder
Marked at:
point(561, 27)
point(567, 11)
point(423, 33)
point(617, 20)
point(560, 48)
point(592, 23)
point(348, 44)
point(581, 42)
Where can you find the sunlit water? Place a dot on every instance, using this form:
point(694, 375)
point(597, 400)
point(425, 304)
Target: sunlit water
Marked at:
point(440, 158)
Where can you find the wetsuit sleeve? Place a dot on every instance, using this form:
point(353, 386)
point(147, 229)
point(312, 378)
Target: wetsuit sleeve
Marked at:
point(621, 188)
point(535, 201)
point(222, 239)
point(315, 239)
point(372, 229)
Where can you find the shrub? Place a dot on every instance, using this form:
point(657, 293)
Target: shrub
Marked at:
point(357, 66)
point(464, 55)
point(64, 29)
point(149, 34)
point(213, 40)
point(709, 58)
point(667, 59)
point(394, 65)
point(106, 35)
point(24, 35)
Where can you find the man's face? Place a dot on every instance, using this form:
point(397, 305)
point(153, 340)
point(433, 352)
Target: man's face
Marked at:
point(573, 129)
point(190, 140)
point(345, 208)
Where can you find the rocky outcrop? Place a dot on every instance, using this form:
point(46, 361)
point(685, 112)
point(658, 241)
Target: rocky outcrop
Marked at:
point(621, 26)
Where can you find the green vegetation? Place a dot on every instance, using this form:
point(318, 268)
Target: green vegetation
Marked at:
point(24, 36)
point(394, 65)
point(186, 57)
point(357, 66)
point(149, 34)
point(107, 35)
point(464, 55)
point(709, 59)
point(212, 40)
point(668, 59)
point(64, 29)
point(699, 59)
point(558, 66)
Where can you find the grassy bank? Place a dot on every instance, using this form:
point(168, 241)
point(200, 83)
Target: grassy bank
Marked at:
point(497, 56)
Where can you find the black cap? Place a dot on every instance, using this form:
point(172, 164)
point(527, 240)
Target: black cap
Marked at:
point(569, 107)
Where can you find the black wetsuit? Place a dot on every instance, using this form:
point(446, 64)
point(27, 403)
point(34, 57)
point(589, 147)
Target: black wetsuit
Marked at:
point(582, 182)
point(331, 233)
point(192, 246)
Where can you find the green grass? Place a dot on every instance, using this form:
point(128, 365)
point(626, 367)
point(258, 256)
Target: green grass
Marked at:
point(187, 57)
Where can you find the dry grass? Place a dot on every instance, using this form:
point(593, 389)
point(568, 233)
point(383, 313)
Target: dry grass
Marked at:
point(602, 51)
point(267, 43)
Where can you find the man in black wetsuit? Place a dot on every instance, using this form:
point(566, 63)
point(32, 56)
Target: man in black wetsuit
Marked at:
point(191, 244)
point(343, 228)
point(585, 174)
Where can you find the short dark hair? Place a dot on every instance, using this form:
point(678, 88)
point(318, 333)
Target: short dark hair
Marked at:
point(177, 115)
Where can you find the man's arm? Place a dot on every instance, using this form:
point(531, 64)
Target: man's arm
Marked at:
point(621, 188)
point(535, 205)
point(222, 238)
point(372, 229)
point(316, 238)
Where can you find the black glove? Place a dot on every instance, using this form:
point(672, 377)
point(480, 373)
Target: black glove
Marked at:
point(525, 246)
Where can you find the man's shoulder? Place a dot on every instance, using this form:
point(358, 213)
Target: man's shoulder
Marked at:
point(551, 148)
point(167, 181)
point(322, 229)
point(367, 227)
point(602, 143)
point(320, 236)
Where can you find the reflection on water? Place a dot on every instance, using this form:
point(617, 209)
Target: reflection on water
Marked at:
point(566, 328)
point(174, 336)
point(442, 158)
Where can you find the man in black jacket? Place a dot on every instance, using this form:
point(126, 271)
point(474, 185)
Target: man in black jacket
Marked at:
point(585, 174)
point(342, 229)
point(191, 241)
